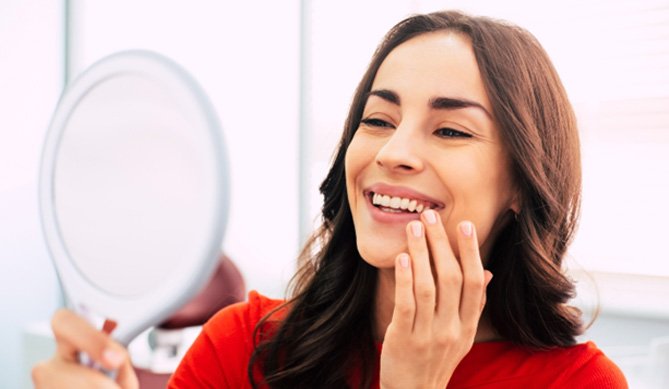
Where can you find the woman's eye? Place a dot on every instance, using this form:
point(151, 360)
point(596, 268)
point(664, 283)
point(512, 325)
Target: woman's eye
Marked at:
point(376, 123)
point(451, 133)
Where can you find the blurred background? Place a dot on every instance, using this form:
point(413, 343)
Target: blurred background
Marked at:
point(281, 76)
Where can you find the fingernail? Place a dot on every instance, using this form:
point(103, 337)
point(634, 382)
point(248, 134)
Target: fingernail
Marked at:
point(404, 260)
point(430, 216)
point(466, 228)
point(112, 357)
point(416, 229)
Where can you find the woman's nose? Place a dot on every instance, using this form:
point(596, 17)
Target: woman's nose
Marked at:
point(401, 152)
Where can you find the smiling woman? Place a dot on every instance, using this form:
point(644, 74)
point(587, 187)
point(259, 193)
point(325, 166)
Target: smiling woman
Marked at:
point(459, 160)
point(466, 116)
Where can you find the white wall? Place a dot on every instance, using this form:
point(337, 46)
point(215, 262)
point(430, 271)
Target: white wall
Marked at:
point(30, 82)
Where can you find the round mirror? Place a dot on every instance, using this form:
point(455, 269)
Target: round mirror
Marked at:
point(133, 190)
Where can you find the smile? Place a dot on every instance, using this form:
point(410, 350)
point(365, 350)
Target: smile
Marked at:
point(397, 204)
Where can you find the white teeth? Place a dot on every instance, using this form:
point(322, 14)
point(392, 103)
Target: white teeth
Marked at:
point(385, 201)
point(399, 203)
point(395, 202)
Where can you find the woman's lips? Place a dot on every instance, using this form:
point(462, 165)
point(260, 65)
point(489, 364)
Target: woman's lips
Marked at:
point(396, 204)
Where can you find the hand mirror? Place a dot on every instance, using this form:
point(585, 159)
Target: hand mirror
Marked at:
point(133, 191)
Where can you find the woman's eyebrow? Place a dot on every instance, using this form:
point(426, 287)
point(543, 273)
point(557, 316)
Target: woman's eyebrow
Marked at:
point(385, 94)
point(435, 103)
point(456, 103)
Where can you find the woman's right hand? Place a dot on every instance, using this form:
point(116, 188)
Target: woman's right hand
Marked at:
point(73, 335)
point(439, 298)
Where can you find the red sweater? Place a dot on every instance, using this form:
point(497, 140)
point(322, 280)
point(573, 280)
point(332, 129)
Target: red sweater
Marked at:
point(220, 355)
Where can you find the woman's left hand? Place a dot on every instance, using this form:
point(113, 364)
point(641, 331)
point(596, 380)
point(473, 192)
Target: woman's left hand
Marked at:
point(438, 302)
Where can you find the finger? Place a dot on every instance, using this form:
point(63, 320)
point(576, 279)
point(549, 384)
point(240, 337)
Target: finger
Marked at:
point(472, 273)
point(405, 306)
point(74, 334)
point(423, 286)
point(487, 276)
point(446, 267)
point(58, 373)
point(127, 378)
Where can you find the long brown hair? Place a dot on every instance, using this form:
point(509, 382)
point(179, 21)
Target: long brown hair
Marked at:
point(328, 329)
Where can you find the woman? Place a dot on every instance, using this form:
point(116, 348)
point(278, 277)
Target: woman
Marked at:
point(460, 153)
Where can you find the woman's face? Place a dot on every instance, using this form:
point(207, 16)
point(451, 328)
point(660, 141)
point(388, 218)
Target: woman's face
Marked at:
point(426, 140)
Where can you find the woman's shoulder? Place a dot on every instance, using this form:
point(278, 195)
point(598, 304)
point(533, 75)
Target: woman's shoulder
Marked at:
point(242, 316)
point(220, 355)
point(507, 364)
point(588, 367)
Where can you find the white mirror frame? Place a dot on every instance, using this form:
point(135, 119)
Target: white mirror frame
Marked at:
point(135, 314)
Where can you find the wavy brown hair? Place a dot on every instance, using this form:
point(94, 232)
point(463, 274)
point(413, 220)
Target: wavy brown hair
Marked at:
point(328, 330)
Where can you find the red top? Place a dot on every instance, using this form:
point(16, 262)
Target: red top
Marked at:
point(220, 355)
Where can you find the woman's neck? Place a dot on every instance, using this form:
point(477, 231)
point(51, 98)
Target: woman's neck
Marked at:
point(384, 303)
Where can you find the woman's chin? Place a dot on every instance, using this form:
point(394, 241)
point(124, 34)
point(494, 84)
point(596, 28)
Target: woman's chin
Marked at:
point(380, 255)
